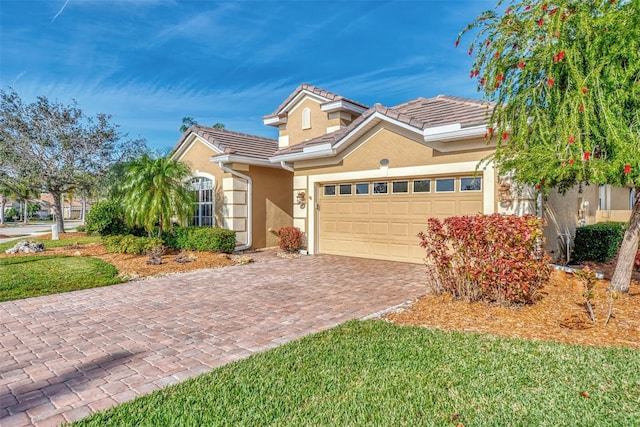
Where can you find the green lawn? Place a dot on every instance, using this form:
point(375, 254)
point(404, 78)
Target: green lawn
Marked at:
point(24, 277)
point(48, 243)
point(377, 374)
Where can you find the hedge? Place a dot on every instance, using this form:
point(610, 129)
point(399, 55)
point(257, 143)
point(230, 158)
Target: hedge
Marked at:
point(598, 242)
point(130, 244)
point(201, 239)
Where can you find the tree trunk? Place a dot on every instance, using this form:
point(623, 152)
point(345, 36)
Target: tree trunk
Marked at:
point(624, 267)
point(57, 209)
point(83, 213)
point(25, 212)
point(3, 204)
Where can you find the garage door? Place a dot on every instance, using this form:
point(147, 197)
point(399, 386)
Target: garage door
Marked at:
point(380, 219)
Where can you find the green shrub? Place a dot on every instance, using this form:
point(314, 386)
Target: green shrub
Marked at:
point(81, 228)
point(106, 218)
point(598, 242)
point(290, 239)
point(131, 244)
point(201, 239)
point(11, 214)
point(486, 257)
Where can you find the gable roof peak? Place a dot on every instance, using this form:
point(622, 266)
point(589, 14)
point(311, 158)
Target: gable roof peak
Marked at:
point(228, 142)
point(328, 96)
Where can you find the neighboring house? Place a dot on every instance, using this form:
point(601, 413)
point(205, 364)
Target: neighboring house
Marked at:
point(362, 181)
point(237, 187)
point(70, 209)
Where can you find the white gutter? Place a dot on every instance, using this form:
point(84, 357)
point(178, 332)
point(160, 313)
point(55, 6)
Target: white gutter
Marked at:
point(249, 204)
point(303, 156)
point(235, 158)
point(452, 132)
point(285, 166)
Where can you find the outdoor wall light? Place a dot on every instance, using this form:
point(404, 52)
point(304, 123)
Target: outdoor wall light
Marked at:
point(301, 199)
point(504, 193)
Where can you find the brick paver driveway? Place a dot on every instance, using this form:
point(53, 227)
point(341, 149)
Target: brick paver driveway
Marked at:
point(65, 356)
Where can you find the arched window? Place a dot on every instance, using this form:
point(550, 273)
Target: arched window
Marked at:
point(203, 206)
point(306, 118)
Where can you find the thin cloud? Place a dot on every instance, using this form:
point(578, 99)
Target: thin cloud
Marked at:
point(60, 11)
point(19, 76)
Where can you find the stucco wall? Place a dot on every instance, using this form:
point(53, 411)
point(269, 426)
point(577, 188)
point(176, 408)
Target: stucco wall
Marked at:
point(272, 203)
point(401, 151)
point(319, 122)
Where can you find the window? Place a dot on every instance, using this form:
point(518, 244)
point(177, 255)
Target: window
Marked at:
point(400, 187)
point(203, 206)
point(445, 185)
point(380, 187)
point(422, 186)
point(362, 188)
point(471, 184)
point(345, 189)
point(306, 118)
point(329, 190)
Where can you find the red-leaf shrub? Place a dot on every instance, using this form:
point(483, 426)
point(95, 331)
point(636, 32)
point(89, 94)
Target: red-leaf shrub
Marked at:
point(290, 239)
point(487, 257)
point(637, 262)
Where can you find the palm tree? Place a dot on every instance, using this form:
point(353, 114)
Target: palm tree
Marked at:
point(187, 122)
point(22, 192)
point(155, 191)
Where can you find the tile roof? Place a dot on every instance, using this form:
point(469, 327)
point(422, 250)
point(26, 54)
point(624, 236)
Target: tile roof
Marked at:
point(443, 110)
point(317, 91)
point(237, 143)
point(421, 113)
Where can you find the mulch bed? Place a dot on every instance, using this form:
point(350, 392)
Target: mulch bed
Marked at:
point(135, 266)
point(560, 316)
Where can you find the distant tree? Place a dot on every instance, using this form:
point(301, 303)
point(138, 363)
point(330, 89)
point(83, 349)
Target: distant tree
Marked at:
point(22, 192)
point(33, 208)
point(86, 189)
point(155, 191)
point(187, 122)
point(564, 76)
point(4, 196)
point(55, 145)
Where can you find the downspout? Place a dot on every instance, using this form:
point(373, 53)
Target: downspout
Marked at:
point(286, 167)
point(249, 204)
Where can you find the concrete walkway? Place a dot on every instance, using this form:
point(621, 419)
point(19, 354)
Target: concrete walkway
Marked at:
point(34, 229)
point(65, 356)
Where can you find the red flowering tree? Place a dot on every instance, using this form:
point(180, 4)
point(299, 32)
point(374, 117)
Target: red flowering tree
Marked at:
point(565, 77)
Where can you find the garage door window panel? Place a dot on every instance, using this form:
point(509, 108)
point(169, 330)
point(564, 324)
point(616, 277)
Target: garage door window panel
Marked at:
point(345, 189)
point(445, 185)
point(362, 188)
point(329, 190)
point(422, 186)
point(471, 184)
point(400, 187)
point(380, 187)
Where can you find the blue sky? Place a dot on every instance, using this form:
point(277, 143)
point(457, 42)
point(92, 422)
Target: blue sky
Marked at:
point(151, 62)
